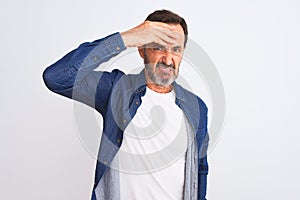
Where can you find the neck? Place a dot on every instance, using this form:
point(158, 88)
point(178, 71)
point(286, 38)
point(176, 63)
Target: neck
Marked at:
point(159, 88)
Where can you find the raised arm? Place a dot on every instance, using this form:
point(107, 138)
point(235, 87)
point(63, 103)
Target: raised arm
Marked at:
point(73, 76)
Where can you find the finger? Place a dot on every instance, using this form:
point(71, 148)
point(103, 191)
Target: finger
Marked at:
point(176, 37)
point(162, 37)
point(171, 33)
point(159, 25)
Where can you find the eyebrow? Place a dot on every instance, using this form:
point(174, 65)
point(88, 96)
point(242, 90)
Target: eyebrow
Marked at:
point(156, 45)
point(159, 45)
point(179, 46)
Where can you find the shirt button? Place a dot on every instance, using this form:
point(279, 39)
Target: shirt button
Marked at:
point(124, 121)
point(105, 162)
point(95, 58)
point(137, 103)
point(118, 48)
point(118, 140)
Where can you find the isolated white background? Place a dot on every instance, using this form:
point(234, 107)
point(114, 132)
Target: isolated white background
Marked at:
point(255, 46)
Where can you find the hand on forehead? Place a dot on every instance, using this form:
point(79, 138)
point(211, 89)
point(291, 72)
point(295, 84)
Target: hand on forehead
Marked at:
point(174, 30)
point(157, 32)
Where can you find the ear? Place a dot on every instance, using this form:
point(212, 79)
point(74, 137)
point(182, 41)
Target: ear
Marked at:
point(141, 52)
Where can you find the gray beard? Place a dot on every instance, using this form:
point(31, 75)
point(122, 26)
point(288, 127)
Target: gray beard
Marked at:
point(158, 79)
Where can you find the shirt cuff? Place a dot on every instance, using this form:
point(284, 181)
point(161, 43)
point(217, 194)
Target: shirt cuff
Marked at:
point(114, 43)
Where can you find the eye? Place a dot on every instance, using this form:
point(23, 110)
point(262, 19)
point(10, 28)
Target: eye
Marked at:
point(177, 49)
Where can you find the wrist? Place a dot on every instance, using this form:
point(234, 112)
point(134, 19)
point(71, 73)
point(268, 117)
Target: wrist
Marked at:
point(125, 39)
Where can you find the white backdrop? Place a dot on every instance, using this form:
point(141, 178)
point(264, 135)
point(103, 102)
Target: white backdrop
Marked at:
point(255, 46)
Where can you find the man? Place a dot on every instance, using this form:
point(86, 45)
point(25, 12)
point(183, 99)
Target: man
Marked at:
point(154, 137)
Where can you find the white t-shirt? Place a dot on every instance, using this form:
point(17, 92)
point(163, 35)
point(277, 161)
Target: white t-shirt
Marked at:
point(152, 154)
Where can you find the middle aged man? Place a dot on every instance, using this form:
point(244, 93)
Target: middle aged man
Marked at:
point(154, 137)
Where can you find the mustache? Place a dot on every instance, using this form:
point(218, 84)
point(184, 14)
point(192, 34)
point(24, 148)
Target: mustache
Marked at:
point(161, 64)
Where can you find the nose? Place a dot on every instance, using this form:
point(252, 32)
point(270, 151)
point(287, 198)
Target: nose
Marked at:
point(167, 57)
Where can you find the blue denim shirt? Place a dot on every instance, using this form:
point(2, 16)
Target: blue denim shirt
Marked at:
point(117, 97)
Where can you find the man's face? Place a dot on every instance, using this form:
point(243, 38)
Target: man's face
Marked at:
point(162, 62)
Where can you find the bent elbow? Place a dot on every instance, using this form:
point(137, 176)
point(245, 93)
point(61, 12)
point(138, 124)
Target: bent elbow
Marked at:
point(49, 79)
point(58, 82)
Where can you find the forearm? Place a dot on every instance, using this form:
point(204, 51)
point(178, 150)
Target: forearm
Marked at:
point(60, 77)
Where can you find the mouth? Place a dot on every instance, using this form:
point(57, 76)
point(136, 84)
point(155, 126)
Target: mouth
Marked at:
point(164, 71)
point(165, 68)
